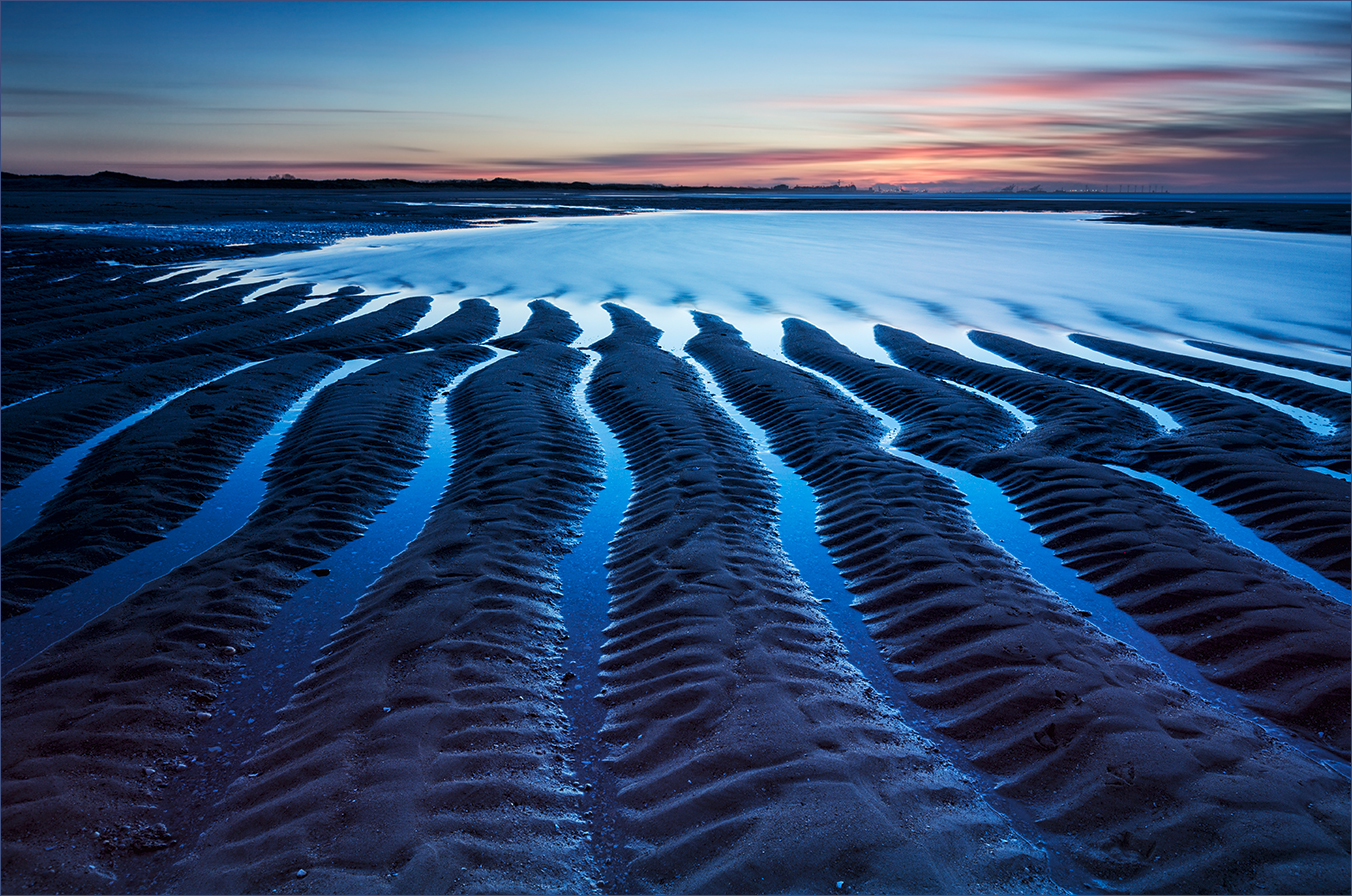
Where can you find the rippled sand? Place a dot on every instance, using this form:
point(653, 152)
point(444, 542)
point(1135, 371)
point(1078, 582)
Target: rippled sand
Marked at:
point(475, 715)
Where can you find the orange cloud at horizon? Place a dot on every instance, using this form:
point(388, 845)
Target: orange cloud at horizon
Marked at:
point(1183, 127)
point(1210, 96)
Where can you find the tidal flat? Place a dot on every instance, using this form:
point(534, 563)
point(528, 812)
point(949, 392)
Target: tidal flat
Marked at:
point(396, 541)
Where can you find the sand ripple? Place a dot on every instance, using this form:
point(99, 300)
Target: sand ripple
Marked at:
point(1330, 402)
point(1331, 371)
point(341, 338)
point(110, 349)
point(1247, 624)
point(1244, 457)
point(39, 429)
point(107, 712)
point(427, 750)
point(136, 486)
point(749, 756)
point(39, 313)
point(1099, 744)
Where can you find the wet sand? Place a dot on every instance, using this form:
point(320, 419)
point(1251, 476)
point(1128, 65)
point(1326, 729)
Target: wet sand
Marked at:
point(750, 756)
point(426, 752)
point(1248, 625)
point(1072, 723)
point(429, 749)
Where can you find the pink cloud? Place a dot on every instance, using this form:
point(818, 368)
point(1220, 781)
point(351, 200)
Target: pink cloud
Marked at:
point(1259, 147)
point(1098, 126)
point(1106, 82)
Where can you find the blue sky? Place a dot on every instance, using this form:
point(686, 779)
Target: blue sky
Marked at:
point(1213, 96)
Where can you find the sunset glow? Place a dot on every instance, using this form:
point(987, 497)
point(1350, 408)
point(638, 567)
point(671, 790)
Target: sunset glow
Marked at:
point(1212, 96)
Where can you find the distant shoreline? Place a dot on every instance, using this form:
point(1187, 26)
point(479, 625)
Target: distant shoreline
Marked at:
point(105, 179)
point(409, 205)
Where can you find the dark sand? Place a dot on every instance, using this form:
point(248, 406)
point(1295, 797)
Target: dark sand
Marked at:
point(429, 749)
point(98, 725)
point(1249, 625)
point(427, 752)
point(1239, 454)
point(137, 486)
point(106, 350)
point(750, 756)
point(1327, 370)
point(1137, 775)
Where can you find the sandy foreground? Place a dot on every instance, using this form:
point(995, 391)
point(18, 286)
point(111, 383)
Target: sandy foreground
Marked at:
point(432, 747)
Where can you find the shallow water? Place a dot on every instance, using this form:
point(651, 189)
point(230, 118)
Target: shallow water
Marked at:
point(1036, 277)
point(1032, 276)
point(61, 613)
point(1235, 532)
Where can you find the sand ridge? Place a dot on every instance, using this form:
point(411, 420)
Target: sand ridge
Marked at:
point(39, 429)
point(947, 425)
point(1331, 371)
point(1098, 743)
point(1243, 456)
point(474, 321)
point(99, 723)
point(246, 335)
point(432, 749)
point(336, 339)
point(138, 485)
point(39, 314)
point(1070, 419)
point(749, 756)
point(1248, 625)
point(428, 750)
point(111, 349)
point(1334, 404)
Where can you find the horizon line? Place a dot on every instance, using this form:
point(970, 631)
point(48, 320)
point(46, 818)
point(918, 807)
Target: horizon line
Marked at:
point(1013, 189)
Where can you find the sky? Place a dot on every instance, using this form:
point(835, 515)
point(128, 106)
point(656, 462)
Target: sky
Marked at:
point(1187, 96)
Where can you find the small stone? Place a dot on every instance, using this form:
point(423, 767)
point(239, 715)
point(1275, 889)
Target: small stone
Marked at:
point(300, 873)
point(228, 650)
point(839, 884)
point(148, 770)
point(203, 716)
point(201, 645)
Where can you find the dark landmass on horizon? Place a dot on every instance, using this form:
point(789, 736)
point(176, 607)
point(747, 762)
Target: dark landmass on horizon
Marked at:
point(112, 197)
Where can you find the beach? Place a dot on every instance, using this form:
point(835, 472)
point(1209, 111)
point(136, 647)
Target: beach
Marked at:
point(408, 543)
